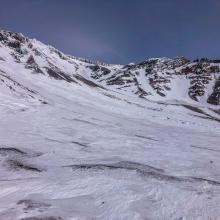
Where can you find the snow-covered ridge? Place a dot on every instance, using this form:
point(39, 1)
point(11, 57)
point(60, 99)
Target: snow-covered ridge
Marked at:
point(157, 79)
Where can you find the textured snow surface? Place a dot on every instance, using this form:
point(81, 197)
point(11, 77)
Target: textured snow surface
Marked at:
point(69, 151)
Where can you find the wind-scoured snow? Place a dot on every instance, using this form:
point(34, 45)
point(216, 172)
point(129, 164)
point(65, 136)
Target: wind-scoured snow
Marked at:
point(81, 140)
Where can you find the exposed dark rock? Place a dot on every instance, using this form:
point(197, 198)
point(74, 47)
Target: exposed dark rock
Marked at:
point(105, 71)
point(88, 82)
point(31, 60)
point(94, 68)
point(197, 110)
point(58, 74)
point(147, 138)
point(18, 84)
point(31, 204)
point(80, 144)
point(214, 98)
point(16, 57)
point(13, 40)
point(141, 92)
point(36, 52)
point(54, 74)
point(211, 182)
point(8, 35)
point(216, 61)
point(98, 71)
point(205, 148)
point(122, 78)
point(128, 165)
point(205, 60)
point(2, 37)
point(116, 80)
point(44, 102)
point(11, 150)
point(217, 111)
point(198, 84)
point(144, 170)
point(14, 44)
point(214, 69)
point(19, 165)
point(84, 121)
point(193, 108)
point(30, 46)
point(159, 84)
point(42, 218)
point(31, 64)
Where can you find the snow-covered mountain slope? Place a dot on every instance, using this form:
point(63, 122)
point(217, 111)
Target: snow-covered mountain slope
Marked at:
point(154, 79)
point(86, 140)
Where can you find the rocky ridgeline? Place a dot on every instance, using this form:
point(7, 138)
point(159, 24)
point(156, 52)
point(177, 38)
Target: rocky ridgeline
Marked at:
point(158, 73)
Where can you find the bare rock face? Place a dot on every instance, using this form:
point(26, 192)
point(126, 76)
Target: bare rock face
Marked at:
point(13, 40)
point(31, 64)
point(200, 75)
point(31, 60)
point(159, 74)
point(214, 98)
point(42, 218)
point(98, 71)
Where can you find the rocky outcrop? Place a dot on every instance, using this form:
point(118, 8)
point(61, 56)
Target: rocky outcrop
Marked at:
point(31, 64)
point(214, 98)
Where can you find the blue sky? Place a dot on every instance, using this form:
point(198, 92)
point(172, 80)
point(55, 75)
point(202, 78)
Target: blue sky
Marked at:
point(119, 31)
